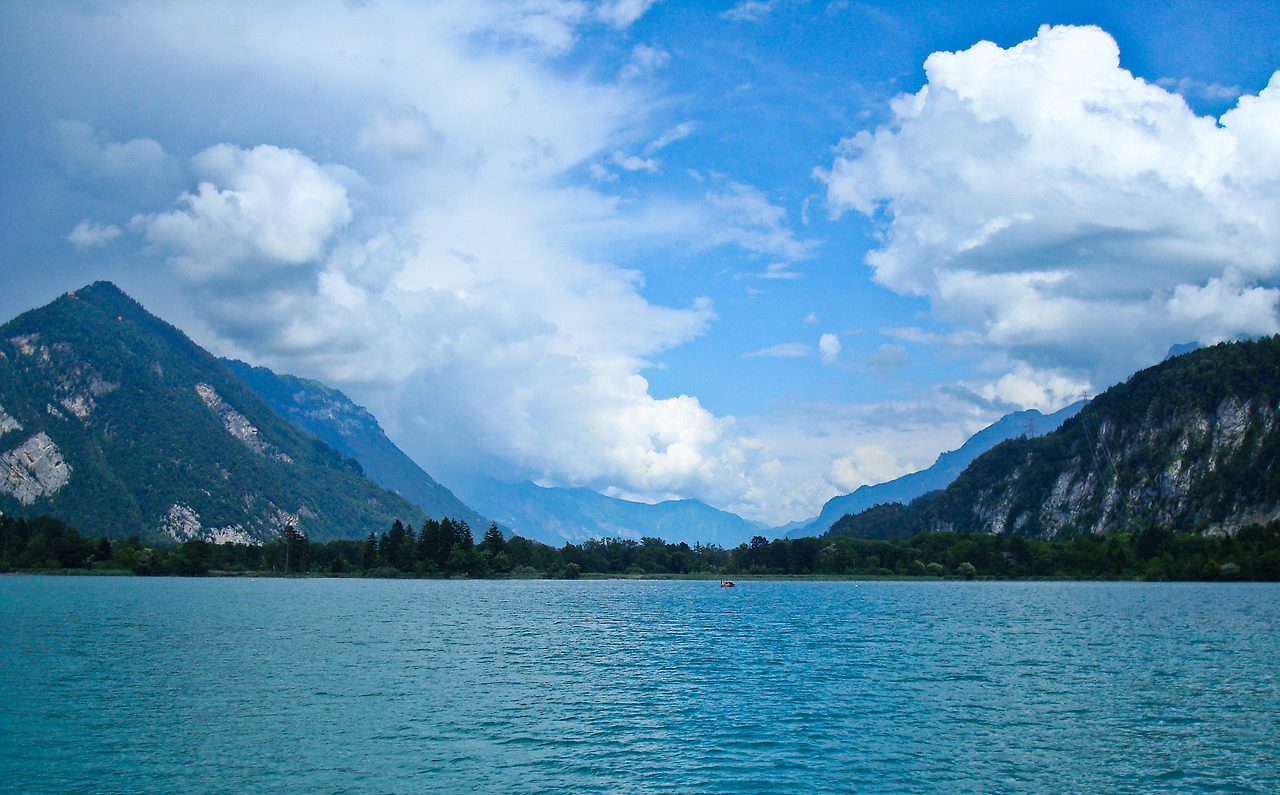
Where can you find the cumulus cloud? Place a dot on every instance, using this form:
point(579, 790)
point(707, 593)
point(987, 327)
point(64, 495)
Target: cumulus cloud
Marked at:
point(1224, 309)
point(262, 208)
point(457, 301)
point(461, 292)
point(1048, 203)
point(829, 348)
point(92, 234)
point(1028, 388)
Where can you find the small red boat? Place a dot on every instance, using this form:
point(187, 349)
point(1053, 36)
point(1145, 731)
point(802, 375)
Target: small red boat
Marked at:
point(726, 584)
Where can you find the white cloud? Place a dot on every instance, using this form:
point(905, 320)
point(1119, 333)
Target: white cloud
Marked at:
point(776, 270)
point(1189, 87)
point(450, 273)
point(677, 133)
point(829, 348)
point(458, 292)
point(403, 133)
point(263, 208)
point(633, 163)
point(92, 234)
point(825, 449)
point(754, 223)
point(1225, 309)
point(785, 350)
point(1048, 204)
point(602, 174)
point(868, 464)
point(645, 60)
point(1027, 387)
point(623, 13)
point(750, 10)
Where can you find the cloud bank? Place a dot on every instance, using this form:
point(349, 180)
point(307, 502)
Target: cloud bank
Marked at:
point(1048, 203)
point(437, 263)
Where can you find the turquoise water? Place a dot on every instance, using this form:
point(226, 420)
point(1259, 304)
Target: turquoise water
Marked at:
point(138, 685)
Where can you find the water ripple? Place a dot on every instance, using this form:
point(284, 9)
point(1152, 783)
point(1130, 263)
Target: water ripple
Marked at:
point(348, 686)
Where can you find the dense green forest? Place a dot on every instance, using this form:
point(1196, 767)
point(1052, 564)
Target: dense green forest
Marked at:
point(447, 549)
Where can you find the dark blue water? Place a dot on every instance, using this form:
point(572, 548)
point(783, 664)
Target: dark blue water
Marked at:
point(342, 686)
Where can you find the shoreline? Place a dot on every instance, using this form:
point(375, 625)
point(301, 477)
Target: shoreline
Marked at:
point(594, 577)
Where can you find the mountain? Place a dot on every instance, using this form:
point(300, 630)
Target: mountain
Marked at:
point(1188, 445)
point(115, 422)
point(354, 432)
point(1030, 423)
point(559, 515)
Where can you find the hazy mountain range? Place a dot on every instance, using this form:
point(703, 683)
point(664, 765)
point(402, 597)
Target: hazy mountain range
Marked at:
point(114, 421)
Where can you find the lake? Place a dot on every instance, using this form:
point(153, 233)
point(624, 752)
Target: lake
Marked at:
point(133, 685)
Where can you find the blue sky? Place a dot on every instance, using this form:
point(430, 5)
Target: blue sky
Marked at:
point(756, 253)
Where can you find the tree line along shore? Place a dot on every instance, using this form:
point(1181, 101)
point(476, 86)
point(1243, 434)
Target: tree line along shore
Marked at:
point(446, 548)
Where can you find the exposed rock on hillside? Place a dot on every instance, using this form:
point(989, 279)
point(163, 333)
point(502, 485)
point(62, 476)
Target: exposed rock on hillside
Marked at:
point(116, 423)
point(33, 469)
point(1191, 444)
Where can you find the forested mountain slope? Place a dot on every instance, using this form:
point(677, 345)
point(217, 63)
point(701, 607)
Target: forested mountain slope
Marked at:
point(115, 422)
point(1190, 444)
point(353, 431)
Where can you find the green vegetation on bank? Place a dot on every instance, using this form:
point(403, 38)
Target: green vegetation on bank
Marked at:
point(447, 549)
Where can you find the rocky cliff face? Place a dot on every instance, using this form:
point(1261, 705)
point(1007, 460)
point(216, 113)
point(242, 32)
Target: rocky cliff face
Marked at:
point(33, 469)
point(1167, 464)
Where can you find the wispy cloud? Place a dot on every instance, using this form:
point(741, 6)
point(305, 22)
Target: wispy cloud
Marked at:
point(623, 13)
point(750, 10)
point(93, 234)
point(676, 133)
point(645, 60)
point(633, 163)
point(1197, 89)
point(756, 224)
point(785, 350)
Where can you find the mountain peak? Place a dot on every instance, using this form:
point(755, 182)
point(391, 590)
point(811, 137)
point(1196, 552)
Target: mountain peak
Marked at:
point(114, 421)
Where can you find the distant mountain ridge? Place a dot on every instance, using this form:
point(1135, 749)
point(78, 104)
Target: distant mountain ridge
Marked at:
point(353, 431)
point(559, 515)
point(947, 468)
point(1190, 445)
point(115, 422)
